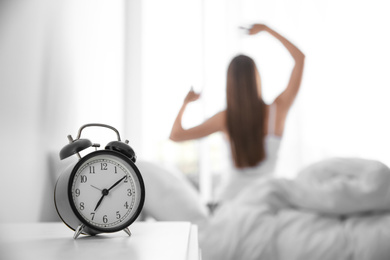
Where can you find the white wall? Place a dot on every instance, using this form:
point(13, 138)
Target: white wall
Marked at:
point(133, 75)
point(61, 66)
point(22, 30)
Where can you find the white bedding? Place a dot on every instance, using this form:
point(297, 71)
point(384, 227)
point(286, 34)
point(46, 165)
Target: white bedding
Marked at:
point(316, 216)
point(273, 229)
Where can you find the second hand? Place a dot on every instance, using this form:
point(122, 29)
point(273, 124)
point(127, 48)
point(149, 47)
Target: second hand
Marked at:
point(96, 188)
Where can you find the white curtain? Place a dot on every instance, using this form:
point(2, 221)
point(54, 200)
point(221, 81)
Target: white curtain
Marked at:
point(341, 108)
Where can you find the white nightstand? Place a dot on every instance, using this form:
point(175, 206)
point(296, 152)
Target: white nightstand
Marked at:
point(149, 241)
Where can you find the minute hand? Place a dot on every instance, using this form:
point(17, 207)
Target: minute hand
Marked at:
point(116, 183)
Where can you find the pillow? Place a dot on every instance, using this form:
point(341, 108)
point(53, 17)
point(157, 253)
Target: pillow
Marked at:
point(342, 186)
point(169, 196)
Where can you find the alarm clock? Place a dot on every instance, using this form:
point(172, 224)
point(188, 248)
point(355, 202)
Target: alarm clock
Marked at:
point(102, 191)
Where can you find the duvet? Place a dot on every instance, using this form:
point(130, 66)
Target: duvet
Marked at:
point(335, 209)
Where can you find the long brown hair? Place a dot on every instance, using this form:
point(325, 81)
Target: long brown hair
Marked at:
point(245, 113)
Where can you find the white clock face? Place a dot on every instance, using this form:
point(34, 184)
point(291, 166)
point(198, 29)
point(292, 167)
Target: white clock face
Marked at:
point(106, 191)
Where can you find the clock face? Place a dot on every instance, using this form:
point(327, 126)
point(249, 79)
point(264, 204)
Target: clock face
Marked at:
point(106, 191)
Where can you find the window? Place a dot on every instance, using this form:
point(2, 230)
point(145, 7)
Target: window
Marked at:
point(340, 110)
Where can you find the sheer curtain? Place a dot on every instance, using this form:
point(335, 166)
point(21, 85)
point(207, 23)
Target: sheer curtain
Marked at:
point(341, 108)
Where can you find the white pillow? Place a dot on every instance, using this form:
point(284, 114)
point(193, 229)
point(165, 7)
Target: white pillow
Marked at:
point(342, 186)
point(169, 196)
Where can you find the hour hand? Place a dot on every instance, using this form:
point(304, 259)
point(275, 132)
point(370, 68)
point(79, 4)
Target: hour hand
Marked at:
point(105, 193)
point(99, 202)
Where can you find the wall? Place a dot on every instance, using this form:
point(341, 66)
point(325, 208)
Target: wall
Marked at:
point(61, 66)
point(21, 79)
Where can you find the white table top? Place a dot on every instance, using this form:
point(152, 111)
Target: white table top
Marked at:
point(149, 240)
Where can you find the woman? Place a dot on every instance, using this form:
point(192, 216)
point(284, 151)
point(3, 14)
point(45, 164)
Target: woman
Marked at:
point(254, 129)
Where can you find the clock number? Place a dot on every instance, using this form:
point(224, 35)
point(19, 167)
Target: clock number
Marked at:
point(126, 205)
point(105, 219)
point(126, 181)
point(103, 166)
point(91, 169)
point(83, 178)
point(81, 205)
point(116, 170)
point(129, 193)
point(77, 191)
point(93, 215)
point(118, 216)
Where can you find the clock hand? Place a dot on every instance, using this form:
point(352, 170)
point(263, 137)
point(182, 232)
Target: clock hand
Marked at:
point(105, 193)
point(96, 188)
point(116, 183)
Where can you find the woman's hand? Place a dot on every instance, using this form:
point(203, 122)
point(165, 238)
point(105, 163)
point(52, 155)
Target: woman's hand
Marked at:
point(256, 28)
point(191, 96)
point(211, 125)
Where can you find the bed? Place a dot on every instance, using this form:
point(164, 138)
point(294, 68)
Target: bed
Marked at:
point(334, 209)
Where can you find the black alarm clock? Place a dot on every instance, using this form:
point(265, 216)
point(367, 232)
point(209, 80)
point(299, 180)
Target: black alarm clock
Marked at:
point(101, 192)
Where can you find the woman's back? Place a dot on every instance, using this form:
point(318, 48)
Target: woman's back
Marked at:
point(235, 179)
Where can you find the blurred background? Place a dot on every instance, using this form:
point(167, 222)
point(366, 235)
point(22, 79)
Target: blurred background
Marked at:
point(130, 64)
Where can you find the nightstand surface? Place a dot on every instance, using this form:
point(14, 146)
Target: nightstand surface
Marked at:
point(149, 240)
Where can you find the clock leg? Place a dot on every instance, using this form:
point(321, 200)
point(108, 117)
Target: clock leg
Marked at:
point(78, 231)
point(127, 230)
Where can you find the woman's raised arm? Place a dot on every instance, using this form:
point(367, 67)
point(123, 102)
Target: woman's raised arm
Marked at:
point(211, 125)
point(286, 98)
